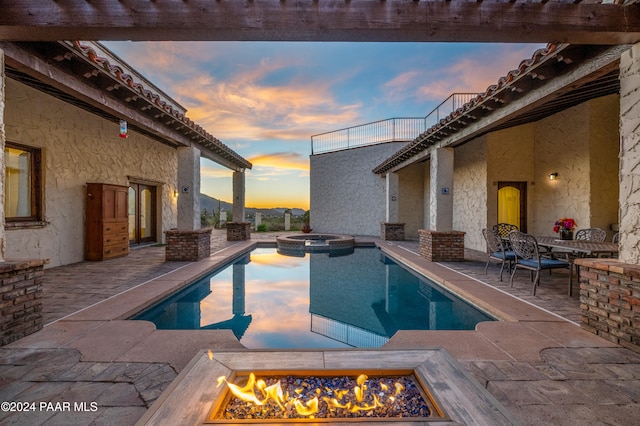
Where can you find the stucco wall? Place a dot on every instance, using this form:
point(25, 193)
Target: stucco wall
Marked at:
point(509, 159)
point(78, 147)
point(630, 155)
point(604, 148)
point(411, 199)
point(470, 193)
point(345, 195)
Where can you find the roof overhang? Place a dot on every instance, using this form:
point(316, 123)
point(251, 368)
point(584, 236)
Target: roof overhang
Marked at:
point(535, 21)
point(86, 75)
point(554, 79)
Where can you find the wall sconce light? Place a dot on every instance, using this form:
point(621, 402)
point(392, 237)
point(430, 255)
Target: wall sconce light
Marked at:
point(175, 194)
point(553, 176)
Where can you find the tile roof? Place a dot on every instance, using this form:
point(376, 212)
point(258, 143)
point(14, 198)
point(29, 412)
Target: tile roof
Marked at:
point(160, 102)
point(431, 135)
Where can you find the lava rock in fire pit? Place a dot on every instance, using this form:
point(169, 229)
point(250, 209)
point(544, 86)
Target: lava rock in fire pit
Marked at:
point(326, 397)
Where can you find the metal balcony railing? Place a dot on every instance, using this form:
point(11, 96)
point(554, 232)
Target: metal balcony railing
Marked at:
point(403, 129)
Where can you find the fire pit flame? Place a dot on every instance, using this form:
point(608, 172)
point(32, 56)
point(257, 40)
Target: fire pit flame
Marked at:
point(361, 398)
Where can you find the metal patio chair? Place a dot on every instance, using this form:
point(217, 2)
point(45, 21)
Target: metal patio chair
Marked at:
point(497, 251)
point(528, 257)
point(503, 229)
point(591, 234)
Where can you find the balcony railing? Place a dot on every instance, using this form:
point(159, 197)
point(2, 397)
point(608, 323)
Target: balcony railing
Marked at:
point(390, 130)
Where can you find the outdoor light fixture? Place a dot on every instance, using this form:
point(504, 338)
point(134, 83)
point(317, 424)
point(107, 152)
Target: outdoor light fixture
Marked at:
point(553, 176)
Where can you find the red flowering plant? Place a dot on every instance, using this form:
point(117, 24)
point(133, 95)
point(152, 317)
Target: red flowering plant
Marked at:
point(564, 224)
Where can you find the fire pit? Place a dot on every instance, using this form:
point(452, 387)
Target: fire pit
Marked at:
point(323, 397)
point(442, 392)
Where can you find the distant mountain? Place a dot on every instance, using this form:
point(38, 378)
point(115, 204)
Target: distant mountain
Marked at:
point(211, 204)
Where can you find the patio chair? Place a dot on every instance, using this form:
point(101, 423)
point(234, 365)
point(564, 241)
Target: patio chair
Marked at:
point(497, 251)
point(616, 238)
point(591, 234)
point(528, 257)
point(503, 229)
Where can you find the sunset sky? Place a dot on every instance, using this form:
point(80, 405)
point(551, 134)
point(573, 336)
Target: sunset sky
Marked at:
point(266, 99)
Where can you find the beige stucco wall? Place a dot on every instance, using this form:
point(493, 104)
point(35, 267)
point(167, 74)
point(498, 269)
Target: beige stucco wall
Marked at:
point(346, 196)
point(411, 199)
point(78, 147)
point(509, 159)
point(2, 139)
point(580, 143)
point(630, 155)
point(470, 192)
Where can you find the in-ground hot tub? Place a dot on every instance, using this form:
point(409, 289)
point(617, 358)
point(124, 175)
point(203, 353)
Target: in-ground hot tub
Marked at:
point(298, 244)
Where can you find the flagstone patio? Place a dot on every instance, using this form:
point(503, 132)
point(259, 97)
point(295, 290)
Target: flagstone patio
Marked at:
point(536, 362)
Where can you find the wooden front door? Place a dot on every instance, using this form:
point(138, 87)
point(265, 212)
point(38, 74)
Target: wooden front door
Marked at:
point(512, 204)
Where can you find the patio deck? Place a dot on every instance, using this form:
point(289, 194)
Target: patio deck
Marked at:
point(537, 362)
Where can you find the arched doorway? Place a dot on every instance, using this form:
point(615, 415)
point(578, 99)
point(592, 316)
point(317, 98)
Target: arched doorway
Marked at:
point(512, 204)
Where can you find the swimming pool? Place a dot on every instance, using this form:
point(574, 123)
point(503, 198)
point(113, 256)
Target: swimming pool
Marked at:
point(270, 300)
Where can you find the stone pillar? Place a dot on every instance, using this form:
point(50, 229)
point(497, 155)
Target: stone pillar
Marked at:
point(442, 246)
point(183, 245)
point(258, 219)
point(188, 242)
point(188, 188)
point(391, 229)
point(392, 212)
point(630, 155)
point(2, 142)
point(609, 298)
point(238, 197)
point(20, 299)
point(441, 199)
point(287, 221)
point(238, 303)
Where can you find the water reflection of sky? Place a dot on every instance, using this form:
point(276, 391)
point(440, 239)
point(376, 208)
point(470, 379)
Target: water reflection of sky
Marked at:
point(282, 322)
point(270, 300)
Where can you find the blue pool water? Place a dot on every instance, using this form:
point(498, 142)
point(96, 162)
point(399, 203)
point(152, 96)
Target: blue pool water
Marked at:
point(271, 300)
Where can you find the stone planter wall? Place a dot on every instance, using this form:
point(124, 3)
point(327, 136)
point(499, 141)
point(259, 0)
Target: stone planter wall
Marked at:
point(392, 231)
point(187, 245)
point(21, 301)
point(238, 231)
point(610, 300)
point(442, 246)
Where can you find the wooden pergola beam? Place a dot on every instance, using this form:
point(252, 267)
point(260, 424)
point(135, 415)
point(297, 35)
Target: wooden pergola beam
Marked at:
point(321, 20)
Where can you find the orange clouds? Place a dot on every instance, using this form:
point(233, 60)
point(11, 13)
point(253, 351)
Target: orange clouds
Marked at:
point(281, 160)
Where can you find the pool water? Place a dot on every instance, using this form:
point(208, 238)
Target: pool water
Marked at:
point(269, 300)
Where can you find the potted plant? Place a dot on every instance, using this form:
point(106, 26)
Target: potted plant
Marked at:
point(565, 226)
point(306, 227)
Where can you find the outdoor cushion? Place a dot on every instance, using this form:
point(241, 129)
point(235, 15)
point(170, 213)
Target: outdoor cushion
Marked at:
point(509, 254)
point(544, 263)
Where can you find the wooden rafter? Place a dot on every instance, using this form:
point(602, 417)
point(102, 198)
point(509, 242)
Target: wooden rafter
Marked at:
point(582, 22)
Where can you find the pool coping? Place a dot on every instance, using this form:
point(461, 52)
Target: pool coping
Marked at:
point(102, 332)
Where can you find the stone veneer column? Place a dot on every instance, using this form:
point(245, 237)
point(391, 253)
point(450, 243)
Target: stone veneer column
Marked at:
point(188, 188)
point(441, 199)
point(630, 155)
point(391, 229)
point(392, 182)
point(610, 300)
point(20, 299)
point(2, 142)
point(238, 230)
point(188, 242)
point(238, 197)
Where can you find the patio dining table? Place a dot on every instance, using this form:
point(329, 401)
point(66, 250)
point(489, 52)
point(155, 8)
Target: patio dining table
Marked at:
point(576, 249)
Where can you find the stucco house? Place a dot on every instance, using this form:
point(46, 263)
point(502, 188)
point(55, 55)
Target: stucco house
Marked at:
point(74, 113)
point(489, 161)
